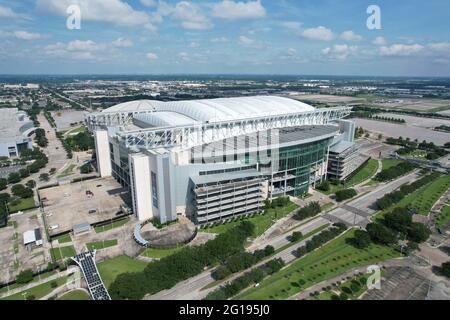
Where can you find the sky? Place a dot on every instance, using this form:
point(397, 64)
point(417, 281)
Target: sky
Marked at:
point(303, 37)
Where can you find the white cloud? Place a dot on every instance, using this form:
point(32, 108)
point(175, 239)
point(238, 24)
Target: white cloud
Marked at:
point(319, 33)
point(6, 12)
point(122, 43)
point(232, 10)
point(379, 41)
point(116, 12)
point(79, 45)
point(440, 46)
point(28, 36)
point(401, 50)
point(340, 51)
point(152, 56)
point(219, 40)
point(184, 56)
point(293, 25)
point(249, 43)
point(149, 3)
point(350, 36)
point(291, 52)
point(191, 16)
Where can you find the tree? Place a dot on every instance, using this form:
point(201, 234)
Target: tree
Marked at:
point(25, 276)
point(3, 184)
point(86, 168)
point(296, 236)
point(4, 197)
point(24, 173)
point(13, 177)
point(361, 239)
point(345, 194)
point(52, 171)
point(418, 232)
point(44, 177)
point(31, 184)
point(380, 233)
point(399, 220)
point(445, 268)
point(21, 191)
point(324, 186)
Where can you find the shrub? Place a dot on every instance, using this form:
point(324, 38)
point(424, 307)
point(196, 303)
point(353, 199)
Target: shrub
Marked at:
point(345, 194)
point(25, 276)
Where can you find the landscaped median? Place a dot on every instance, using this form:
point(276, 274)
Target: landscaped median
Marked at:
point(331, 260)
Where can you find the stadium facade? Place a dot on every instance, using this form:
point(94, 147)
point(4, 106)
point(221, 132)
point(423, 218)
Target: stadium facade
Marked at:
point(218, 159)
point(15, 131)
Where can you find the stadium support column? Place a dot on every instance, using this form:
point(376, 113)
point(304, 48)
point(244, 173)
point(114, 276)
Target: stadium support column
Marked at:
point(103, 153)
point(141, 188)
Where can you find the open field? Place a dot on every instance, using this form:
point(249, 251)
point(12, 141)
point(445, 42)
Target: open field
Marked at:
point(364, 173)
point(419, 104)
point(324, 98)
point(111, 226)
point(345, 287)
point(24, 204)
point(38, 291)
point(444, 217)
point(101, 244)
point(75, 295)
point(333, 259)
point(65, 238)
point(389, 163)
point(423, 201)
point(261, 222)
point(110, 269)
point(62, 252)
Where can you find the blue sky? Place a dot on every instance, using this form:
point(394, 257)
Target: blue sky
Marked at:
point(326, 37)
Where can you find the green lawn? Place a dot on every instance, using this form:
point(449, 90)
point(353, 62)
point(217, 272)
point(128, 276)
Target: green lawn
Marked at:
point(75, 131)
point(101, 244)
point(261, 222)
point(68, 171)
point(24, 204)
point(111, 268)
point(424, 201)
point(444, 217)
point(65, 238)
point(62, 252)
point(417, 154)
point(36, 278)
point(160, 253)
point(309, 234)
point(111, 226)
point(38, 291)
point(75, 295)
point(389, 163)
point(364, 173)
point(331, 260)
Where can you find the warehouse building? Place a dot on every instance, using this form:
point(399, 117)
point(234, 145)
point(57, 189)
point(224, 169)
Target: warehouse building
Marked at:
point(218, 159)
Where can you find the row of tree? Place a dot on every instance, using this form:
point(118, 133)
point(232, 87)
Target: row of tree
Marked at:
point(311, 210)
point(40, 138)
point(252, 277)
point(277, 202)
point(241, 261)
point(394, 172)
point(188, 262)
point(394, 197)
point(321, 238)
point(345, 194)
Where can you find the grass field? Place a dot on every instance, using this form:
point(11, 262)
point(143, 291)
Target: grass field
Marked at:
point(424, 201)
point(364, 173)
point(68, 171)
point(75, 295)
point(111, 268)
point(24, 204)
point(160, 253)
point(261, 222)
point(101, 244)
point(444, 217)
point(38, 291)
point(389, 163)
point(111, 226)
point(62, 252)
point(65, 238)
point(331, 260)
point(36, 278)
point(73, 132)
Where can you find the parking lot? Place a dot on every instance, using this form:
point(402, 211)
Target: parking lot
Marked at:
point(90, 202)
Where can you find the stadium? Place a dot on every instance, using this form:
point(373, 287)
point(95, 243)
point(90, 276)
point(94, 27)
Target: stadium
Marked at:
point(219, 159)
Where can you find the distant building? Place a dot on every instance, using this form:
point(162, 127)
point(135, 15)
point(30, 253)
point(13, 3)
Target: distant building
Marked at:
point(15, 131)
